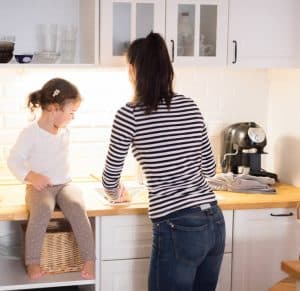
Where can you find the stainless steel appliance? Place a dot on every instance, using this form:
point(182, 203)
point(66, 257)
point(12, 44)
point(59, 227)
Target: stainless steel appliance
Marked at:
point(243, 145)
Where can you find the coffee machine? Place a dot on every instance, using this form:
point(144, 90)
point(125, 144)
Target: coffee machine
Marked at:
point(242, 147)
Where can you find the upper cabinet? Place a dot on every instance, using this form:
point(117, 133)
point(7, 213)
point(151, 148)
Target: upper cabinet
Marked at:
point(196, 31)
point(122, 21)
point(56, 31)
point(247, 33)
point(264, 33)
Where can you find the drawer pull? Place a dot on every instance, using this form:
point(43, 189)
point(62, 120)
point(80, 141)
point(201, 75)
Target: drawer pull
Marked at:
point(235, 52)
point(282, 214)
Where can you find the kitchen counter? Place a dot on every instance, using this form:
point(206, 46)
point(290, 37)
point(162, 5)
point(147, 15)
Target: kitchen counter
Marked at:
point(12, 202)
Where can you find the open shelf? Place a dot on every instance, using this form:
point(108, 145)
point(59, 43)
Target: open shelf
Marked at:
point(13, 277)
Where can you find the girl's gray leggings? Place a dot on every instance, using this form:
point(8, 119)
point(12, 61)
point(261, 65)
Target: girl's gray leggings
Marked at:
point(41, 204)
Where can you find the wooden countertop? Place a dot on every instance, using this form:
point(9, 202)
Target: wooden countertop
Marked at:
point(12, 202)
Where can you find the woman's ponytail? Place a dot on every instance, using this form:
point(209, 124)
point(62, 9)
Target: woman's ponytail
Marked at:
point(154, 71)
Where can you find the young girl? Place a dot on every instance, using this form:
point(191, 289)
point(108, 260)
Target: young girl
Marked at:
point(40, 159)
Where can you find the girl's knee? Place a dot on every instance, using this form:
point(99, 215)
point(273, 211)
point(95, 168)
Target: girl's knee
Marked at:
point(74, 208)
point(43, 210)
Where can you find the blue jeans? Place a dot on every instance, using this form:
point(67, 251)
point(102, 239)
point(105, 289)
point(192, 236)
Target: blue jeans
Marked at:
point(187, 250)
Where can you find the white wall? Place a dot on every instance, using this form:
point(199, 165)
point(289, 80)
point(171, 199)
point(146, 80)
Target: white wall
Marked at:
point(225, 96)
point(284, 124)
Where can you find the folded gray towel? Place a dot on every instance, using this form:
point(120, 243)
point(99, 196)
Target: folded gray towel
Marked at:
point(242, 183)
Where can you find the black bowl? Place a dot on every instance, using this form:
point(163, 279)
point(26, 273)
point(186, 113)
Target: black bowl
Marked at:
point(24, 58)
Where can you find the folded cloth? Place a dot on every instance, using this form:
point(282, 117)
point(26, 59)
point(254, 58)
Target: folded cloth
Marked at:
point(242, 183)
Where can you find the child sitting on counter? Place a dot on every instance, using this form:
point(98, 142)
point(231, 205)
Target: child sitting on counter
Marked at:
point(40, 159)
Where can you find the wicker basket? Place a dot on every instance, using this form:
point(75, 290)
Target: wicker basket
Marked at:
point(60, 252)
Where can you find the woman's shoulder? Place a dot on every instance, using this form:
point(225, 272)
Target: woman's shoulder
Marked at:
point(179, 98)
point(126, 110)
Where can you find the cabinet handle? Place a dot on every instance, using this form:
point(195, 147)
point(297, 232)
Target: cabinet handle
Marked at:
point(235, 51)
point(172, 51)
point(283, 214)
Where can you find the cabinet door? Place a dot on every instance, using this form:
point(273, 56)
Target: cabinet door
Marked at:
point(228, 217)
point(125, 237)
point(122, 21)
point(263, 33)
point(196, 31)
point(54, 31)
point(124, 275)
point(224, 282)
point(262, 239)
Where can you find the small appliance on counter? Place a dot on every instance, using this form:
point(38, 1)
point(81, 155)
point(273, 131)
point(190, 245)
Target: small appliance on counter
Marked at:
point(242, 148)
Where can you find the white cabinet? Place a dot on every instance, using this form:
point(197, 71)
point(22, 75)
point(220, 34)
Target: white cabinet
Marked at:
point(264, 33)
point(196, 31)
point(56, 31)
point(262, 239)
point(125, 275)
point(224, 282)
point(125, 237)
point(126, 242)
point(122, 21)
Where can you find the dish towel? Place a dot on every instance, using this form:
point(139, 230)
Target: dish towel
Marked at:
point(242, 183)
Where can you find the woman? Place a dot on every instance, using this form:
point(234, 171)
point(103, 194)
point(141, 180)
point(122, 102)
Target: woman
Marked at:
point(169, 140)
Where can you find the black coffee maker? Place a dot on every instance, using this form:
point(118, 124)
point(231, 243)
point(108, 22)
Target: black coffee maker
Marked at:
point(242, 148)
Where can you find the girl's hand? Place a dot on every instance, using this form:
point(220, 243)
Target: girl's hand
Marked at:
point(38, 181)
point(124, 195)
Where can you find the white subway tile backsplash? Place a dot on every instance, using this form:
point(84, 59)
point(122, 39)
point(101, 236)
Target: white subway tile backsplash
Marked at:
point(1, 121)
point(90, 135)
point(223, 95)
point(283, 125)
point(15, 120)
point(11, 104)
point(8, 136)
point(94, 119)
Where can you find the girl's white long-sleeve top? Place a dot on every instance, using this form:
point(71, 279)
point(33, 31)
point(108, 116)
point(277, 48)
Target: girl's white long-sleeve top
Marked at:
point(173, 150)
point(39, 151)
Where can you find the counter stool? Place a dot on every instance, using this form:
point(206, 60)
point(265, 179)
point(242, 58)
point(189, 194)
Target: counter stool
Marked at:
point(291, 283)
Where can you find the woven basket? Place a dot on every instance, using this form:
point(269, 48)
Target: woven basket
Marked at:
point(60, 252)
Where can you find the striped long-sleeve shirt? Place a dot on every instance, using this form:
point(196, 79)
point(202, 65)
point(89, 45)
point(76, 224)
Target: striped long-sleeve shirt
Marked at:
point(173, 149)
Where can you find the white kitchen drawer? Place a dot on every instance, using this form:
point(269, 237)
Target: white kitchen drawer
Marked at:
point(125, 237)
point(130, 236)
point(125, 275)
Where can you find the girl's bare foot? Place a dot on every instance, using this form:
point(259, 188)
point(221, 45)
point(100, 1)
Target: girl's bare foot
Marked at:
point(88, 270)
point(34, 271)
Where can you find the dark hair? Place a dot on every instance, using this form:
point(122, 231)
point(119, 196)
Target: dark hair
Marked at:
point(56, 91)
point(153, 71)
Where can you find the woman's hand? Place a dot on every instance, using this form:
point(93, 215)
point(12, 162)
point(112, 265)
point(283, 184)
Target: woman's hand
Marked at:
point(124, 195)
point(38, 181)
